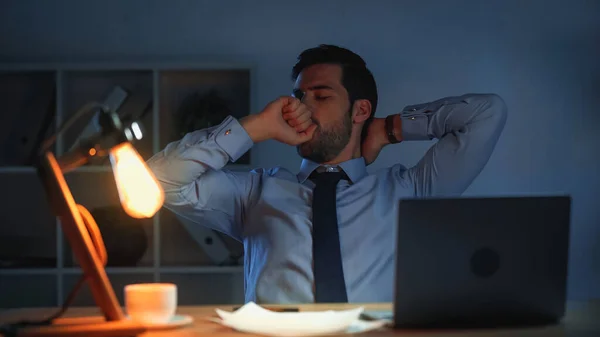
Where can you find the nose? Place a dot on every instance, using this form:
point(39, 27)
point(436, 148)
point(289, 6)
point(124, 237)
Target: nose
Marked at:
point(308, 100)
point(299, 94)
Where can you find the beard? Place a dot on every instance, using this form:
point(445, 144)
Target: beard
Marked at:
point(326, 144)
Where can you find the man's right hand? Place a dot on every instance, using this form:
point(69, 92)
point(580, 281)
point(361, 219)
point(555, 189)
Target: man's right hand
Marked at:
point(285, 119)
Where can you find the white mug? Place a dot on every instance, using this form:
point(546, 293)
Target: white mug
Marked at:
point(151, 303)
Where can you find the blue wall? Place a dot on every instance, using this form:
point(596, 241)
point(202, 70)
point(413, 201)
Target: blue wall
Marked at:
point(543, 57)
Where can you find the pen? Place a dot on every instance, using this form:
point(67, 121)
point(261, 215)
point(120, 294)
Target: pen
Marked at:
point(277, 309)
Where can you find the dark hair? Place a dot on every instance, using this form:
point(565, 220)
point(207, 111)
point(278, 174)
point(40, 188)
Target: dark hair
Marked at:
point(356, 77)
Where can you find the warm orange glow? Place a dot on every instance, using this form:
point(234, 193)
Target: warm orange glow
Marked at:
point(140, 193)
point(92, 152)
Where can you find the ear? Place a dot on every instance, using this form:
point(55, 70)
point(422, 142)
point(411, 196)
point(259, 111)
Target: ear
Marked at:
point(361, 111)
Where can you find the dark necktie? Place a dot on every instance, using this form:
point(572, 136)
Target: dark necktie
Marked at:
point(327, 260)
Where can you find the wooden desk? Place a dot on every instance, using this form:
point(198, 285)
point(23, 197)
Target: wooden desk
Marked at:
point(582, 320)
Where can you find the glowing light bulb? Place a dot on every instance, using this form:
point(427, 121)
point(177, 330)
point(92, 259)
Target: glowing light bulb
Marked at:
point(140, 193)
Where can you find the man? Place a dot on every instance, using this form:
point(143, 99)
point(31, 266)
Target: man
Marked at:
point(293, 252)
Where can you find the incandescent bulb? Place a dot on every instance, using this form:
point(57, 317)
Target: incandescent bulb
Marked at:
point(140, 193)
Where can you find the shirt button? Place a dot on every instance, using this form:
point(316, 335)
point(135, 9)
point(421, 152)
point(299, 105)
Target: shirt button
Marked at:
point(228, 132)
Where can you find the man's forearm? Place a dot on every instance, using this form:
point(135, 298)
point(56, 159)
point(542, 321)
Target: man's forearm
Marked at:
point(254, 127)
point(196, 187)
point(181, 162)
point(426, 121)
point(467, 128)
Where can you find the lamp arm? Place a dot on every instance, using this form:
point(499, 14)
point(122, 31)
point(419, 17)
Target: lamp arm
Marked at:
point(83, 235)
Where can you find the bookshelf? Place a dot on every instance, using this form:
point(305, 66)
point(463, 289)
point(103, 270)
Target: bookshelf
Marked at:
point(37, 267)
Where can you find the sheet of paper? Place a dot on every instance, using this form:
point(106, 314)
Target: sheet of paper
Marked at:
point(378, 314)
point(252, 318)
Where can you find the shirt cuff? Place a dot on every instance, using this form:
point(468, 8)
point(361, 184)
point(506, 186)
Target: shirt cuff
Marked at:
point(232, 138)
point(415, 125)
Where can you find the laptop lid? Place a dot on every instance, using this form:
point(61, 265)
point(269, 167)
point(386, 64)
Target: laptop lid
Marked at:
point(481, 261)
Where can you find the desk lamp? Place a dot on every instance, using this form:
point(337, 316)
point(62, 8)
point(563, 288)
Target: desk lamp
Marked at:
point(140, 194)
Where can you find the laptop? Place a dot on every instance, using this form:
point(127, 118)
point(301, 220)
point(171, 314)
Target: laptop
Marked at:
point(481, 262)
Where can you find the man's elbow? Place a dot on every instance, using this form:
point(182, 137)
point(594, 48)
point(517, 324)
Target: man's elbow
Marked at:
point(491, 107)
point(496, 105)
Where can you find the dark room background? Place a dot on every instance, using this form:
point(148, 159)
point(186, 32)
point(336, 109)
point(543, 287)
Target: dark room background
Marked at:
point(542, 57)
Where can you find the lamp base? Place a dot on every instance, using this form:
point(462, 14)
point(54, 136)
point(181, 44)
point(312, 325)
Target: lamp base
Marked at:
point(91, 326)
point(97, 326)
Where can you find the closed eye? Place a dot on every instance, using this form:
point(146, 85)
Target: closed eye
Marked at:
point(321, 98)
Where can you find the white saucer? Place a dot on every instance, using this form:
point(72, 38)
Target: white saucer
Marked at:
point(175, 322)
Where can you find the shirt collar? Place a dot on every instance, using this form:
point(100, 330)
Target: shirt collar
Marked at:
point(355, 169)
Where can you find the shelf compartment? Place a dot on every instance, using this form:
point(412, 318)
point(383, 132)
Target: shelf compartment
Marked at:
point(129, 241)
point(21, 291)
point(207, 289)
point(186, 244)
point(28, 231)
point(197, 99)
point(28, 101)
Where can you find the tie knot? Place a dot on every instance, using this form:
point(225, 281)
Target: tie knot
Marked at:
point(328, 168)
point(328, 177)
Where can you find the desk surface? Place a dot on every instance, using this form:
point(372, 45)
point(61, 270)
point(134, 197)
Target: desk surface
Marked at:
point(582, 319)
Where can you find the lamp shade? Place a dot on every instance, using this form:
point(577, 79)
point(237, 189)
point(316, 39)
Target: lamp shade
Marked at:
point(139, 191)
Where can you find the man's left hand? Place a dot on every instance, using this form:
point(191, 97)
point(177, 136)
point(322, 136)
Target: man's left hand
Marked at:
point(375, 141)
